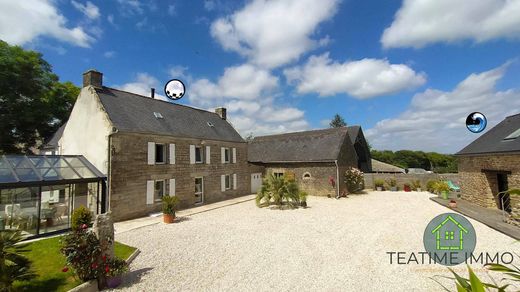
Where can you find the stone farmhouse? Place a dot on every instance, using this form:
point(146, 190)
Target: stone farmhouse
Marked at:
point(148, 148)
point(490, 165)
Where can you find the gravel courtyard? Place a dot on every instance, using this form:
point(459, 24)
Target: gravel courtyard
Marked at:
point(334, 245)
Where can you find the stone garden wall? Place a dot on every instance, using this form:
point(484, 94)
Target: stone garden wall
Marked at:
point(403, 178)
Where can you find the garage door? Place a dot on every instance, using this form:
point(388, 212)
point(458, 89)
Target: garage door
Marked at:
point(256, 182)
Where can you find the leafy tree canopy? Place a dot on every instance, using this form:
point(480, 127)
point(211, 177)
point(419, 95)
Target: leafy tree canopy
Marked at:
point(437, 162)
point(33, 103)
point(337, 122)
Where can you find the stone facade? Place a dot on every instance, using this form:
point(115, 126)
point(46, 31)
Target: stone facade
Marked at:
point(129, 173)
point(312, 178)
point(481, 187)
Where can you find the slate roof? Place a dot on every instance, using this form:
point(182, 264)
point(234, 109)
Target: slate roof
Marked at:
point(130, 112)
point(307, 146)
point(53, 142)
point(379, 166)
point(353, 132)
point(493, 140)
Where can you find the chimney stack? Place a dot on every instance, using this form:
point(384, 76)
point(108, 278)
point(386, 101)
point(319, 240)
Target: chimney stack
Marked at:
point(221, 111)
point(93, 77)
point(152, 94)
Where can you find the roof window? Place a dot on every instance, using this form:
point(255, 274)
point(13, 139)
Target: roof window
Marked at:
point(513, 135)
point(157, 115)
point(211, 124)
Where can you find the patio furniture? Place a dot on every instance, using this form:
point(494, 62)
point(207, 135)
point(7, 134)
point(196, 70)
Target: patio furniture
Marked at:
point(61, 211)
point(453, 186)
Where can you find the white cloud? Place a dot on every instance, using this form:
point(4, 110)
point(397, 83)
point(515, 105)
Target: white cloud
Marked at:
point(130, 7)
point(179, 72)
point(435, 120)
point(23, 21)
point(422, 22)
point(362, 79)
point(273, 33)
point(143, 84)
point(172, 10)
point(90, 10)
point(109, 54)
point(209, 5)
point(110, 19)
point(247, 92)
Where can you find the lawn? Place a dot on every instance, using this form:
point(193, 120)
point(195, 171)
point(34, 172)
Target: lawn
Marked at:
point(47, 262)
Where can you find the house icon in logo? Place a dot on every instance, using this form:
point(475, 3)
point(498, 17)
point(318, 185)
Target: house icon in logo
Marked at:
point(449, 234)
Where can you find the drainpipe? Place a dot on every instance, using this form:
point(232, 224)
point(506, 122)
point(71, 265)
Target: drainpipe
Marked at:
point(109, 163)
point(337, 178)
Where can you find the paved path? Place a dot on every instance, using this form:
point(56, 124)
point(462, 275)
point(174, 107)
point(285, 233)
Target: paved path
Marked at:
point(334, 245)
point(128, 225)
point(493, 218)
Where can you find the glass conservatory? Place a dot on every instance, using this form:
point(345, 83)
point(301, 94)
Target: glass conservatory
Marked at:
point(39, 193)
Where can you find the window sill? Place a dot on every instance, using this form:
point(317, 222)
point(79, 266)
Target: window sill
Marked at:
point(160, 163)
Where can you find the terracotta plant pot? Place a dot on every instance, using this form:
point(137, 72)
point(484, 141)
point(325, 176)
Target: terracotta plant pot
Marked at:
point(168, 218)
point(113, 282)
point(452, 204)
point(407, 189)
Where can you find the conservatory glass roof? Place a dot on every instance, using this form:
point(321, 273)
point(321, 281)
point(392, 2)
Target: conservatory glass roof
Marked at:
point(46, 168)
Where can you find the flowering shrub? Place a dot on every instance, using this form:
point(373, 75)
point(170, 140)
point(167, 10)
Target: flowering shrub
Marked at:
point(80, 217)
point(354, 180)
point(115, 267)
point(82, 251)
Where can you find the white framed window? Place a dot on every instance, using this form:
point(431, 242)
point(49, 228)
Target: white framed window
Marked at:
point(199, 154)
point(226, 155)
point(227, 182)
point(159, 190)
point(160, 153)
point(278, 174)
point(306, 175)
point(199, 190)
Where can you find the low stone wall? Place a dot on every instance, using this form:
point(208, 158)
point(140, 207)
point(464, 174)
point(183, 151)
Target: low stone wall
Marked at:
point(403, 178)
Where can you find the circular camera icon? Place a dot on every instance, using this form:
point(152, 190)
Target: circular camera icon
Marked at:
point(476, 122)
point(174, 89)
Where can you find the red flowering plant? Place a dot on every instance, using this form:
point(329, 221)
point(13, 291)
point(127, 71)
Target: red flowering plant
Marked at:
point(115, 267)
point(82, 251)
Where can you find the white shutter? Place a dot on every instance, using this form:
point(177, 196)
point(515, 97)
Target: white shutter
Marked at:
point(151, 153)
point(192, 154)
point(234, 181)
point(223, 154)
point(223, 183)
point(149, 192)
point(234, 155)
point(172, 187)
point(172, 153)
point(208, 155)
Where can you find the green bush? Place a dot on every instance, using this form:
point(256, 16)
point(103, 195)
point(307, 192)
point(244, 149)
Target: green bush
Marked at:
point(81, 216)
point(169, 204)
point(391, 182)
point(82, 251)
point(354, 180)
point(416, 184)
point(379, 183)
point(430, 186)
point(441, 186)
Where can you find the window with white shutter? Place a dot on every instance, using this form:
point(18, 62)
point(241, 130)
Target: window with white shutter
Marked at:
point(208, 154)
point(172, 153)
point(234, 181)
point(234, 155)
point(223, 154)
point(192, 154)
point(151, 153)
point(149, 192)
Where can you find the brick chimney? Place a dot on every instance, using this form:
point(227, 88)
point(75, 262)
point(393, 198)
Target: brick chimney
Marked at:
point(221, 111)
point(93, 77)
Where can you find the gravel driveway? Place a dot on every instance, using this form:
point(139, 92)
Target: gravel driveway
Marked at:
point(334, 245)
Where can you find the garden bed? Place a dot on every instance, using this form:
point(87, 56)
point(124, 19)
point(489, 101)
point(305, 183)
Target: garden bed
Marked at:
point(48, 262)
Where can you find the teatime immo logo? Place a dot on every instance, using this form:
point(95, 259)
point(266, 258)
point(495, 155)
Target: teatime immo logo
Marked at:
point(449, 239)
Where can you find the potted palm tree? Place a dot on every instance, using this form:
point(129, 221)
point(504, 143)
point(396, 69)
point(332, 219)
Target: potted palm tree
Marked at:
point(392, 183)
point(169, 205)
point(442, 188)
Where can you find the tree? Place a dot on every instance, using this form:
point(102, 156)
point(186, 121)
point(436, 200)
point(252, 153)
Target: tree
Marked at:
point(276, 189)
point(13, 265)
point(337, 122)
point(249, 137)
point(33, 103)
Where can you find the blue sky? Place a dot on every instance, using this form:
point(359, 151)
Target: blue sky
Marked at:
point(408, 72)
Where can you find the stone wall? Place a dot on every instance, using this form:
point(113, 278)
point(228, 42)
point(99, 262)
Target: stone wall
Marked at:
point(403, 178)
point(482, 187)
point(129, 173)
point(315, 185)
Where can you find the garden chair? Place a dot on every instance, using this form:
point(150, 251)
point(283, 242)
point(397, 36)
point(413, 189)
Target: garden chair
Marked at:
point(453, 186)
